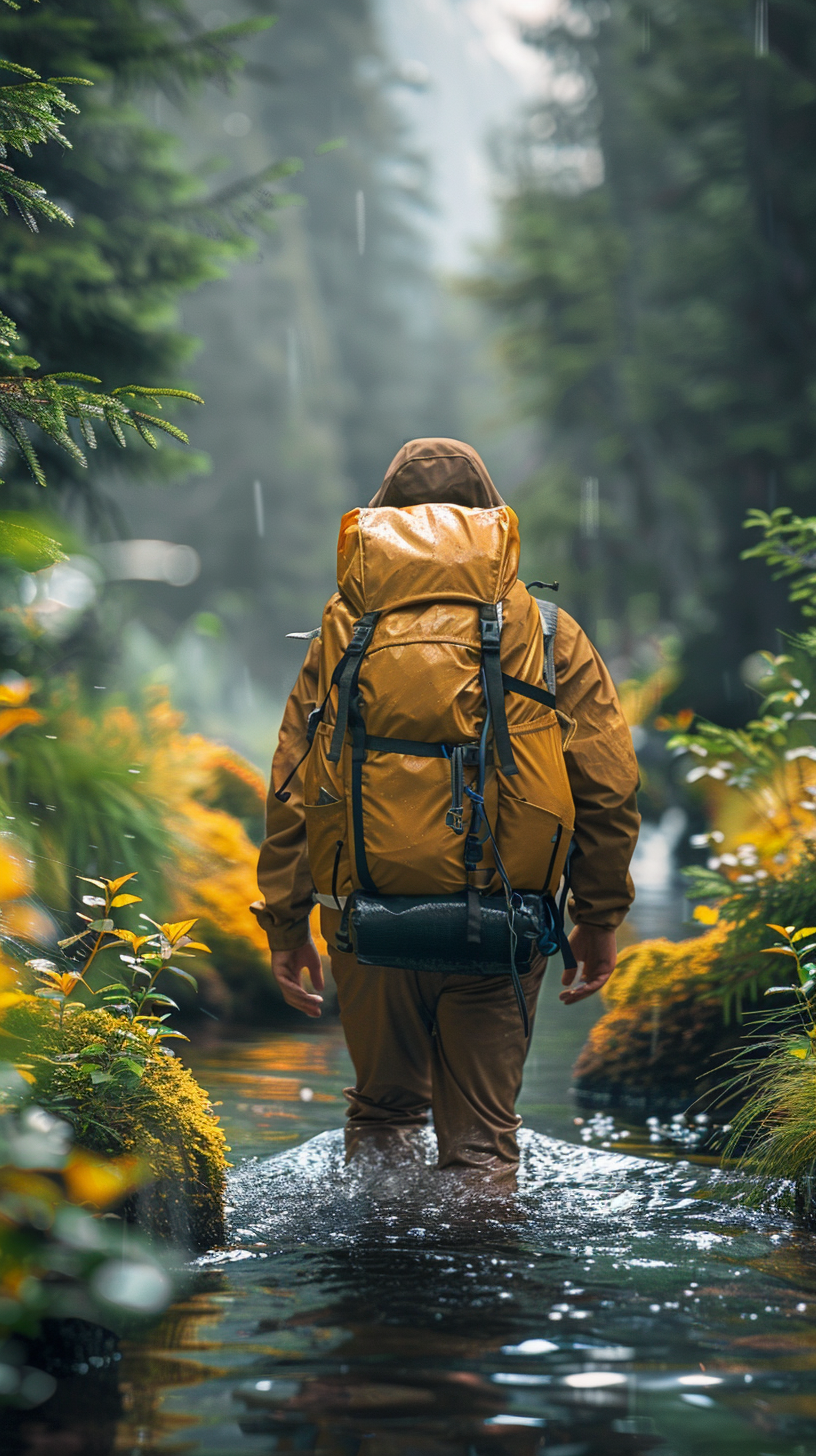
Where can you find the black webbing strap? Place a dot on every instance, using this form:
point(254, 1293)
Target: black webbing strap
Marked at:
point(455, 815)
point(527, 690)
point(315, 717)
point(555, 841)
point(490, 628)
point(414, 748)
point(345, 675)
point(358, 753)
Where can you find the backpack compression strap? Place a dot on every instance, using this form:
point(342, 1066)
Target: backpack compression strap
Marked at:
point(490, 627)
point(345, 675)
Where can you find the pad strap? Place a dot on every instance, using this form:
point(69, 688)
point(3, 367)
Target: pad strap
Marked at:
point(490, 628)
point(345, 675)
point(549, 622)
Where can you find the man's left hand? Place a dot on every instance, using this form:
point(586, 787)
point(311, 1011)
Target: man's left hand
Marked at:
point(596, 952)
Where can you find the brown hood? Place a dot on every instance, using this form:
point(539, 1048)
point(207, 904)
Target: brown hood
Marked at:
point(443, 472)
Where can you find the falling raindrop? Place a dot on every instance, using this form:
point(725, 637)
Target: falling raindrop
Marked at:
point(361, 221)
point(761, 28)
point(259, 507)
point(590, 508)
point(293, 361)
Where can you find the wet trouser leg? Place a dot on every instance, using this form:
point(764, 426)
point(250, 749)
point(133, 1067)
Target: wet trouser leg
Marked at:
point(454, 1042)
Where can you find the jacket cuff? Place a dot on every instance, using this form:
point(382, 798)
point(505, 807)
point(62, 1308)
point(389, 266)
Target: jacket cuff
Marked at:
point(606, 920)
point(281, 937)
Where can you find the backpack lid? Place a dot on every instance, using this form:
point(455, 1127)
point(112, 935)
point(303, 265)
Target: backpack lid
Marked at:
point(401, 556)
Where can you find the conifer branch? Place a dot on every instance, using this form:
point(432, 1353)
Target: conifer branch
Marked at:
point(52, 399)
point(31, 113)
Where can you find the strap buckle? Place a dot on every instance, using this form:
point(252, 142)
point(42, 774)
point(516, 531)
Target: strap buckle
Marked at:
point(491, 634)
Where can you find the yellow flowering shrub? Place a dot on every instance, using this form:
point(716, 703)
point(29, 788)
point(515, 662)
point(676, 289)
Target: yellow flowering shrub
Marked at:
point(664, 1023)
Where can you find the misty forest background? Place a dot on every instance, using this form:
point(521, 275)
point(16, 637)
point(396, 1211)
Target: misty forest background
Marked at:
point(254, 216)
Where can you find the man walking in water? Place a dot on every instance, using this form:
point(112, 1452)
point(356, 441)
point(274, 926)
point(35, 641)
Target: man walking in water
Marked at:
point(430, 565)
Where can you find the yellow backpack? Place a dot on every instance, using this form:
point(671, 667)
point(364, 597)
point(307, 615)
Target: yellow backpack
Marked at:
point(436, 767)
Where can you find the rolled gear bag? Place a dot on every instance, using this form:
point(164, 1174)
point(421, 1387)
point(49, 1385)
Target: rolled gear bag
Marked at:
point(437, 804)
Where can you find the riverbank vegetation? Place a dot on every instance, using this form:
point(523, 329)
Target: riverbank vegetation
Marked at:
point(725, 1020)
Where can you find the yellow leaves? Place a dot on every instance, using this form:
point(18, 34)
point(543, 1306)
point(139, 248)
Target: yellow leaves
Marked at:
point(173, 933)
point(114, 885)
point(679, 723)
point(26, 1074)
point(11, 718)
point(62, 981)
point(194, 945)
point(100, 1181)
point(800, 934)
point(14, 691)
point(125, 900)
point(12, 998)
point(780, 950)
point(706, 914)
point(16, 874)
point(781, 929)
point(134, 941)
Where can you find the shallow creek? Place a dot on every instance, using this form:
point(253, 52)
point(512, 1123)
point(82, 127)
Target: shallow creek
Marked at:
point(607, 1304)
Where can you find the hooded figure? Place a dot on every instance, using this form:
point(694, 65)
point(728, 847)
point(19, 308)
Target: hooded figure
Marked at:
point(444, 472)
point(453, 1042)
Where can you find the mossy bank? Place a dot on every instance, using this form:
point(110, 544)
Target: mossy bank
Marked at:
point(139, 1100)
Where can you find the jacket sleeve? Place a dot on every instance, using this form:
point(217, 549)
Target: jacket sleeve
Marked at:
point(284, 879)
point(603, 776)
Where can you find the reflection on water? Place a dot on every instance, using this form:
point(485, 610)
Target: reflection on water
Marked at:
point(604, 1305)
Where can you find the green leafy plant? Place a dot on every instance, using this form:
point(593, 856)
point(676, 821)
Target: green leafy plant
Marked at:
point(133, 997)
point(789, 546)
point(774, 1130)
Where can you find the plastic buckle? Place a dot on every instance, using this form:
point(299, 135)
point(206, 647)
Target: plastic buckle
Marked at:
point(454, 820)
point(491, 634)
point(474, 852)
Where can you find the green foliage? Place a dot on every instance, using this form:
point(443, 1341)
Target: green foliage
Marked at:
point(653, 285)
point(30, 114)
point(132, 994)
point(161, 1119)
point(103, 302)
point(788, 544)
point(774, 1128)
point(107, 1072)
point(73, 802)
point(739, 971)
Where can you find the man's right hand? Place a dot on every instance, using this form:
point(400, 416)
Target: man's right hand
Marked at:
point(288, 967)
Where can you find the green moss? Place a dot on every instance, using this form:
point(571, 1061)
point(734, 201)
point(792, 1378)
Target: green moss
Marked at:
point(163, 1116)
point(663, 1038)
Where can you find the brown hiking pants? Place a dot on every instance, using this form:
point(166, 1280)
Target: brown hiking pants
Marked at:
point(421, 1040)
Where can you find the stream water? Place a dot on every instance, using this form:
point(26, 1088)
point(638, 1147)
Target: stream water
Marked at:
point(610, 1303)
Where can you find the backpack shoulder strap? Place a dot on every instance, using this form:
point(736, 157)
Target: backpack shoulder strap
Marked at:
point(549, 623)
